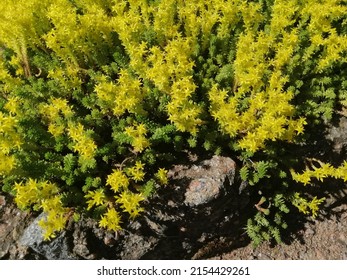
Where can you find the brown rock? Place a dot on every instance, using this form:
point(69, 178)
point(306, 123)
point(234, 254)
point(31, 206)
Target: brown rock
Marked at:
point(2, 201)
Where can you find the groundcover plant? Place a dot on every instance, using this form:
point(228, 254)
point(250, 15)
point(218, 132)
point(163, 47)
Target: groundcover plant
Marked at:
point(99, 97)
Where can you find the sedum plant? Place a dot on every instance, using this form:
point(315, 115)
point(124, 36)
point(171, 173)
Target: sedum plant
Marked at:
point(97, 98)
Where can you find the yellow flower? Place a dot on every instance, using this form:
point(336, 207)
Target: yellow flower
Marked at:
point(136, 172)
point(117, 180)
point(130, 202)
point(95, 198)
point(76, 131)
point(162, 176)
point(55, 130)
point(12, 105)
point(300, 126)
point(111, 220)
point(137, 134)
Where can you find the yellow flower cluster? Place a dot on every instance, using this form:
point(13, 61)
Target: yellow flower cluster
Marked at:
point(60, 117)
point(13, 105)
point(323, 33)
point(130, 203)
point(321, 172)
point(318, 170)
point(127, 200)
point(43, 195)
point(168, 64)
point(111, 220)
point(76, 35)
point(67, 77)
point(7, 163)
point(83, 143)
point(305, 206)
point(17, 27)
point(136, 172)
point(126, 95)
point(16, 31)
point(162, 176)
point(95, 198)
point(9, 82)
point(32, 192)
point(137, 133)
point(268, 114)
point(268, 117)
point(9, 139)
point(54, 112)
point(56, 217)
point(117, 180)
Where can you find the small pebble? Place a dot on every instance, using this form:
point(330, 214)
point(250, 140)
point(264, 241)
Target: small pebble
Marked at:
point(342, 239)
point(309, 231)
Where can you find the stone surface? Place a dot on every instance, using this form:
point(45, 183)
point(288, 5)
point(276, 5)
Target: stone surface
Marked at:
point(201, 191)
point(338, 135)
point(32, 235)
point(12, 224)
point(207, 179)
point(56, 249)
point(137, 246)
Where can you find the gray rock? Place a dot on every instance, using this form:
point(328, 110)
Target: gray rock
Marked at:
point(56, 249)
point(207, 179)
point(338, 135)
point(201, 191)
point(217, 168)
point(137, 246)
point(33, 234)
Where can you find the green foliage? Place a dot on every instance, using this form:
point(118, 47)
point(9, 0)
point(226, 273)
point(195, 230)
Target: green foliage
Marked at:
point(268, 223)
point(97, 98)
point(260, 230)
point(254, 172)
